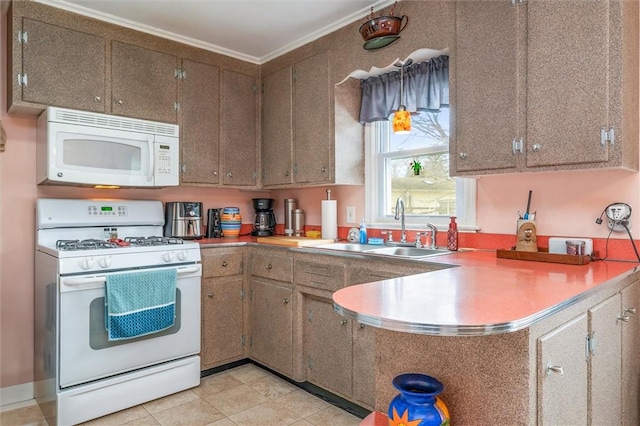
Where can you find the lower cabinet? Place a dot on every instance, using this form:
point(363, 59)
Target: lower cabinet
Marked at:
point(589, 367)
point(272, 325)
point(223, 307)
point(327, 347)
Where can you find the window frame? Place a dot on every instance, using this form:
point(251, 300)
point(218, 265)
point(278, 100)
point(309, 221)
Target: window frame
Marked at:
point(466, 190)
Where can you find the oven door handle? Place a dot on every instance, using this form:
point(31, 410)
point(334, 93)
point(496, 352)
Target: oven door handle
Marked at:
point(101, 279)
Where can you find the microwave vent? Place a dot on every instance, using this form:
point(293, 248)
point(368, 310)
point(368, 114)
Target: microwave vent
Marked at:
point(112, 122)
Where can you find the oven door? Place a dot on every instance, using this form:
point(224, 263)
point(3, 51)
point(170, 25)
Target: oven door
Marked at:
point(85, 352)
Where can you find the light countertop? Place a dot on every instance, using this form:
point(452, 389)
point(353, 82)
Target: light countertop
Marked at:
point(483, 295)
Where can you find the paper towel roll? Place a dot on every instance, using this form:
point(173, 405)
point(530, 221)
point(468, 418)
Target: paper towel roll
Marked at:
point(330, 219)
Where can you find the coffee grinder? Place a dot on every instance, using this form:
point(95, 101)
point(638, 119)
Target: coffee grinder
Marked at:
point(264, 220)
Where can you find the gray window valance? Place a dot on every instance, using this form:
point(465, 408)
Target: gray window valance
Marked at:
point(426, 88)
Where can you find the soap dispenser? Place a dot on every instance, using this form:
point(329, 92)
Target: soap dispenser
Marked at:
point(363, 232)
point(452, 235)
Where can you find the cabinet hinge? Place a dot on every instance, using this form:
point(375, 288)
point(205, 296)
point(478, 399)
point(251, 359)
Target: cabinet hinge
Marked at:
point(255, 89)
point(250, 341)
point(180, 74)
point(590, 345)
point(183, 168)
point(23, 37)
point(514, 2)
point(251, 295)
point(176, 106)
point(310, 315)
point(310, 362)
point(22, 79)
point(242, 340)
point(517, 146)
point(294, 75)
point(607, 136)
point(242, 294)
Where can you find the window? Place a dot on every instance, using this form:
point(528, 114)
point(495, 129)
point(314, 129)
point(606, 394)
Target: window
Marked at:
point(430, 196)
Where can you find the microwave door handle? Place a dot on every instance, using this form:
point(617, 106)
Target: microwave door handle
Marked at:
point(151, 158)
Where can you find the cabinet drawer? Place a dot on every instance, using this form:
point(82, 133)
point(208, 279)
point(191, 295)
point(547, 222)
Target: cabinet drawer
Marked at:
point(220, 263)
point(272, 266)
point(320, 275)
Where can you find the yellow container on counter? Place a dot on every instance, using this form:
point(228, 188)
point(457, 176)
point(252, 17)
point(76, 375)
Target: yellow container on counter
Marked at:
point(314, 234)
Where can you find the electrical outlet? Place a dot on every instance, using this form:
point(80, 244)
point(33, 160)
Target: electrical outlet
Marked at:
point(618, 216)
point(351, 214)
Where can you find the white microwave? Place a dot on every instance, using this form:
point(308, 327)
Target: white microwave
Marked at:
point(90, 149)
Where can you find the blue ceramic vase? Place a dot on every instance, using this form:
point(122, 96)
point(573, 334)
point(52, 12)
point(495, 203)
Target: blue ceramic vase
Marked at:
point(418, 402)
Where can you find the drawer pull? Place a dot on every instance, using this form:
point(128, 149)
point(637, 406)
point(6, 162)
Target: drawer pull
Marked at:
point(285, 300)
point(630, 310)
point(361, 326)
point(224, 264)
point(343, 322)
point(623, 318)
point(210, 295)
point(269, 266)
point(554, 369)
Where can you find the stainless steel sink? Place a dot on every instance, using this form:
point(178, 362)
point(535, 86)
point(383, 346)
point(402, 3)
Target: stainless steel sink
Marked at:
point(411, 252)
point(408, 251)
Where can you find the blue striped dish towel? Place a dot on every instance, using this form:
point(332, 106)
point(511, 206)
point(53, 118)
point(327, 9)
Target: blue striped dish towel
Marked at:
point(139, 303)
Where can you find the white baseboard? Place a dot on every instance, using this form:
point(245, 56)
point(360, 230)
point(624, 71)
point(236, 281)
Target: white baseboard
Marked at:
point(18, 396)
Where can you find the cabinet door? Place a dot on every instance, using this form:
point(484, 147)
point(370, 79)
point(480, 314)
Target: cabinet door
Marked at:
point(562, 396)
point(328, 347)
point(272, 325)
point(489, 82)
point(222, 314)
point(364, 361)
point(568, 81)
point(143, 83)
point(199, 128)
point(277, 128)
point(605, 405)
point(64, 67)
point(631, 355)
point(312, 125)
point(238, 128)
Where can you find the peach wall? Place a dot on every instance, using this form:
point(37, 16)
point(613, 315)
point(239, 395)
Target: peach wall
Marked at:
point(567, 204)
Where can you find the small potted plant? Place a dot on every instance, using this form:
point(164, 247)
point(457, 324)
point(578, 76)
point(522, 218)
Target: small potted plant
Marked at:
point(416, 166)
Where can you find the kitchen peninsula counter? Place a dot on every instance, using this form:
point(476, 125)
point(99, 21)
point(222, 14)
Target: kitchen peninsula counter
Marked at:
point(482, 295)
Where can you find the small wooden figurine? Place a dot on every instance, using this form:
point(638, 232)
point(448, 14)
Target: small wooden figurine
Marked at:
point(527, 239)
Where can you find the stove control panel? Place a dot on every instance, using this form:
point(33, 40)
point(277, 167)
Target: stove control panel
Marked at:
point(106, 210)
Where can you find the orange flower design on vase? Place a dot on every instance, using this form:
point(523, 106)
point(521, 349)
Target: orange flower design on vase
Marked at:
point(404, 420)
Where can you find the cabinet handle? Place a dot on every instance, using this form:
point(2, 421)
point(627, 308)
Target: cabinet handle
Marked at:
point(97, 99)
point(361, 326)
point(554, 369)
point(287, 173)
point(285, 301)
point(343, 322)
point(269, 266)
point(630, 310)
point(323, 170)
point(224, 263)
point(229, 174)
point(215, 173)
point(210, 295)
point(536, 147)
point(623, 318)
point(463, 155)
point(120, 102)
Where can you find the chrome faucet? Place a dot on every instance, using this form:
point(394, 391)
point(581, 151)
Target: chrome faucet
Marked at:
point(400, 216)
point(434, 233)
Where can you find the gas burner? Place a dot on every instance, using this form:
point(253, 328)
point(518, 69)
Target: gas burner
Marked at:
point(91, 244)
point(153, 241)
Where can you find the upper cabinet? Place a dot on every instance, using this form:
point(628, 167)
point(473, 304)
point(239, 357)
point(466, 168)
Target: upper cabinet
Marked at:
point(57, 66)
point(539, 86)
point(143, 83)
point(238, 128)
point(199, 127)
point(304, 126)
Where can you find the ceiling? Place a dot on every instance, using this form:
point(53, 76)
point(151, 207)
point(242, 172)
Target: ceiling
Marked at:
point(252, 30)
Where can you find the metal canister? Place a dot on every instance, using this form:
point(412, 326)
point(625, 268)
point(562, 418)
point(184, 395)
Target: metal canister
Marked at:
point(290, 205)
point(298, 222)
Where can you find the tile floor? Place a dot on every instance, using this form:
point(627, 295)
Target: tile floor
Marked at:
point(245, 395)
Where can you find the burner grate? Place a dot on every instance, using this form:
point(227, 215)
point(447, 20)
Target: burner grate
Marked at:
point(91, 244)
point(153, 241)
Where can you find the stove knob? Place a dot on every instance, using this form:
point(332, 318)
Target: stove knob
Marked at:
point(86, 263)
point(167, 256)
point(183, 255)
point(105, 262)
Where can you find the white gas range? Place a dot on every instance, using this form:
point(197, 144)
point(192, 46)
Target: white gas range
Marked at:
point(81, 372)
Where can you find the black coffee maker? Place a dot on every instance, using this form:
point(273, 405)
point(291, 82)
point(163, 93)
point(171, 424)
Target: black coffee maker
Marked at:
point(264, 220)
